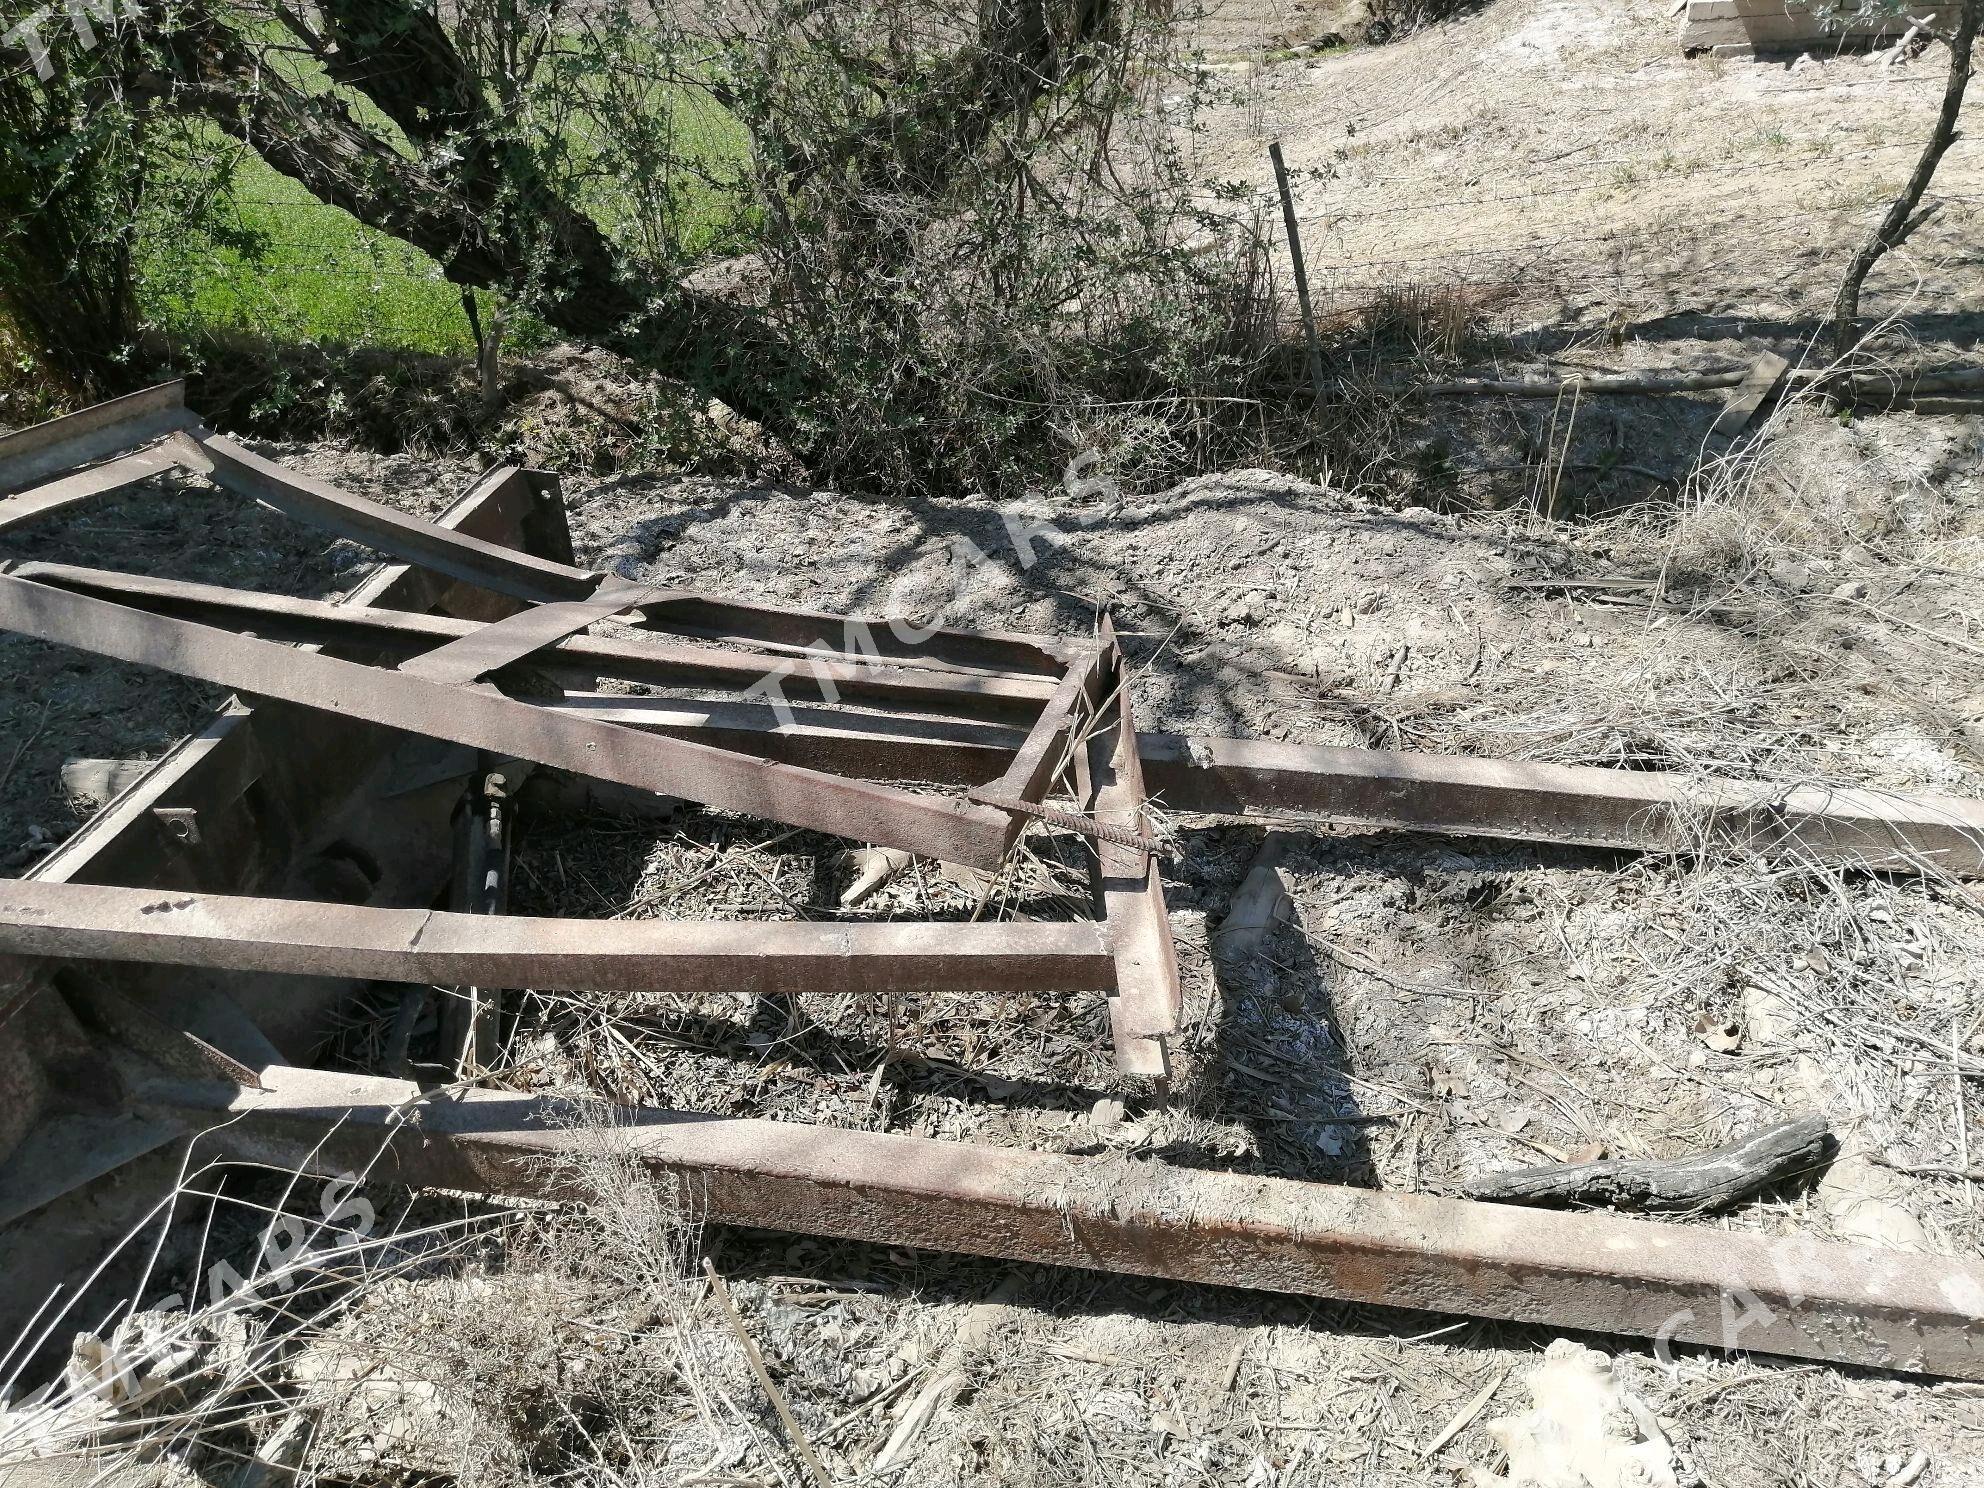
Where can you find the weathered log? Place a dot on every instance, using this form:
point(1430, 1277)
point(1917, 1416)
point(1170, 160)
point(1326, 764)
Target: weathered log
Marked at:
point(1899, 388)
point(1700, 1182)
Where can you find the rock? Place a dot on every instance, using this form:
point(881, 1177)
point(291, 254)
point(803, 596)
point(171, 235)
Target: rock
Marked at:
point(1107, 1112)
point(1585, 1428)
point(1788, 575)
point(1248, 609)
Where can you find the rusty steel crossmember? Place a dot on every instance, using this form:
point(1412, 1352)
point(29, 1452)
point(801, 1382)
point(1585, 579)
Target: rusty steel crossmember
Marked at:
point(1673, 1282)
point(1451, 795)
point(675, 957)
point(418, 642)
point(1676, 1283)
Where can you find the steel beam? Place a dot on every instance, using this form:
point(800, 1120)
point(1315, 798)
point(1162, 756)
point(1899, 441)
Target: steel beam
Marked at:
point(1640, 810)
point(32, 455)
point(37, 502)
point(937, 826)
point(420, 638)
point(1145, 1006)
point(682, 957)
point(1452, 795)
point(1681, 1283)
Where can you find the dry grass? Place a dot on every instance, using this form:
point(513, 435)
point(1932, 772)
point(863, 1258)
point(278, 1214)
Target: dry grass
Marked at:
point(551, 1344)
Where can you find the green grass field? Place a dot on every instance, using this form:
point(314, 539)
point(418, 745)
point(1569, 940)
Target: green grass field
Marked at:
point(286, 266)
point(276, 262)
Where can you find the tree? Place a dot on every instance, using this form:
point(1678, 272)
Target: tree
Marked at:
point(68, 194)
point(1907, 213)
point(924, 179)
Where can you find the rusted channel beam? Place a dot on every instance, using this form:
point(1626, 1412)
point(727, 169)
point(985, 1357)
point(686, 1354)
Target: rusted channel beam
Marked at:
point(682, 612)
point(404, 638)
point(1453, 795)
point(1145, 1006)
point(1686, 1283)
point(244, 933)
point(938, 826)
point(32, 455)
point(1636, 809)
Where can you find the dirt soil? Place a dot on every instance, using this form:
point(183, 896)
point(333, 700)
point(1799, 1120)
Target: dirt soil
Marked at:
point(1434, 1007)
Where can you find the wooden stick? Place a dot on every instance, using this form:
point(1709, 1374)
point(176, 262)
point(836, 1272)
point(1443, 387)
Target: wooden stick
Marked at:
point(1702, 1182)
point(814, 1467)
point(1301, 269)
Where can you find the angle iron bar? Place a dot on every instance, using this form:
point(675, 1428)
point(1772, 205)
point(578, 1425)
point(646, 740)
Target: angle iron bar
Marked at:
point(656, 663)
point(1687, 1284)
point(1450, 795)
point(1636, 810)
point(940, 827)
point(89, 435)
point(230, 932)
point(507, 571)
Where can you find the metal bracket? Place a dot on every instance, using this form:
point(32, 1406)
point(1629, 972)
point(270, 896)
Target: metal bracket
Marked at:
point(181, 823)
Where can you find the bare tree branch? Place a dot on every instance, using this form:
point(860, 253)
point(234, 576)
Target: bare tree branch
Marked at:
point(1902, 217)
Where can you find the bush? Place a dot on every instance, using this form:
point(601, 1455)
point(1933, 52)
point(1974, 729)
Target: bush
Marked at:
point(70, 182)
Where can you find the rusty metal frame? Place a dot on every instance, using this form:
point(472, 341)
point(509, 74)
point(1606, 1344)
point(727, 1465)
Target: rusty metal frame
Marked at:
point(940, 826)
point(434, 692)
point(408, 640)
point(1922, 1314)
point(229, 777)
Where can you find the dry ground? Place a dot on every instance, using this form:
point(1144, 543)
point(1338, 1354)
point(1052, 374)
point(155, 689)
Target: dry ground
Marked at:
point(1438, 1007)
point(1565, 152)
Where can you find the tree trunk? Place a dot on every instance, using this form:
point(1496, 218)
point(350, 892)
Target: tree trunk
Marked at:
point(487, 217)
point(483, 207)
point(1902, 217)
